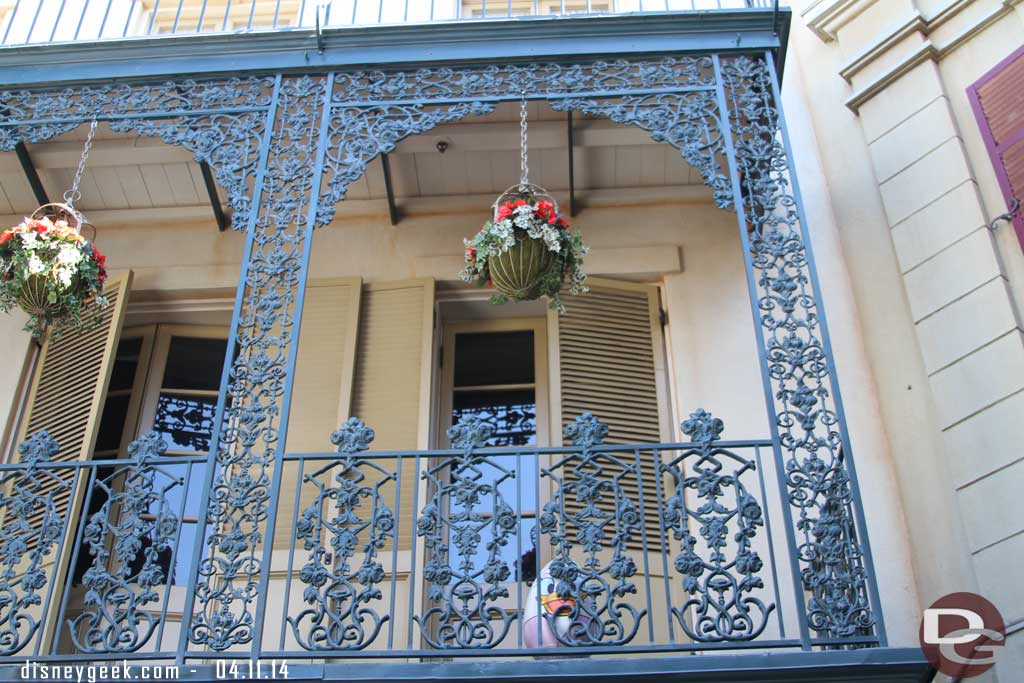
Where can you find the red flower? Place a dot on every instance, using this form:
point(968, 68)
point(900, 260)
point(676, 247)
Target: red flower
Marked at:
point(562, 223)
point(41, 228)
point(490, 283)
point(8, 234)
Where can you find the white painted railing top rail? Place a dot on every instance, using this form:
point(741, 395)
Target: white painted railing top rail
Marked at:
point(57, 21)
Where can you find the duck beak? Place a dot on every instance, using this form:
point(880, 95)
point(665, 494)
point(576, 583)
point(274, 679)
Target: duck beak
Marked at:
point(556, 605)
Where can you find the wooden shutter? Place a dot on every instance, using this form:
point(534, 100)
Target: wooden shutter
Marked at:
point(391, 390)
point(322, 388)
point(610, 363)
point(998, 103)
point(71, 379)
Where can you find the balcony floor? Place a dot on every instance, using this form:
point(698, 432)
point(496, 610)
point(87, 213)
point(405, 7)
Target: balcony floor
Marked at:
point(872, 665)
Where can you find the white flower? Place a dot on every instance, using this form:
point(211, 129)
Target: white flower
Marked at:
point(69, 255)
point(35, 266)
point(64, 275)
point(29, 239)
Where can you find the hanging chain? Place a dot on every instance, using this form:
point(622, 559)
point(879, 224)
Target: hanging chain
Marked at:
point(524, 165)
point(73, 195)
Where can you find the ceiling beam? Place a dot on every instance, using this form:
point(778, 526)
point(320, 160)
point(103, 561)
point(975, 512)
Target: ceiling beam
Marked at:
point(211, 190)
point(31, 174)
point(388, 188)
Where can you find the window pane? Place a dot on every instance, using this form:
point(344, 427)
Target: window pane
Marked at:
point(186, 422)
point(194, 363)
point(512, 413)
point(115, 411)
point(126, 360)
point(488, 358)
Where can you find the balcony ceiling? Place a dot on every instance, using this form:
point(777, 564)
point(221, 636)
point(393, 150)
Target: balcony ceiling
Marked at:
point(125, 173)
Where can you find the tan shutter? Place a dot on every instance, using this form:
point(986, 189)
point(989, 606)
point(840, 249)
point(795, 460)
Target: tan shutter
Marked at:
point(610, 363)
point(322, 388)
point(71, 379)
point(67, 395)
point(391, 391)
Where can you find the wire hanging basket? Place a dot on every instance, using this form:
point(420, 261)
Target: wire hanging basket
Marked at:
point(48, 265)
point(519, 271)
point(34, 297)
point(527, 250)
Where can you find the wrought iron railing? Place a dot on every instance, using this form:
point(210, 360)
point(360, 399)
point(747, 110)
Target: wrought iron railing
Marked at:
point(24, 22)
point(664, 547)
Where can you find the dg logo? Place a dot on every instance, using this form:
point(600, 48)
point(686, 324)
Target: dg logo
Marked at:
point(962, 635)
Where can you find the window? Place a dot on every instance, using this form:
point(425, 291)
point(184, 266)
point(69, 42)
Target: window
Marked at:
point(998, 103)
point(510, 395)
point(164, 378)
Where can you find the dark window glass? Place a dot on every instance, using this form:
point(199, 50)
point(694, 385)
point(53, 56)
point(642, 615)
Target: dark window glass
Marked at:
point(126, 360)
point(186, 422)
point(488, 358)
point(194, 363)
point(115, 411)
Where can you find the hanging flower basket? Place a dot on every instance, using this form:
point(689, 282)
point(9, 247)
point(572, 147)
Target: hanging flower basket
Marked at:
point(527, 251)
point(49, 270)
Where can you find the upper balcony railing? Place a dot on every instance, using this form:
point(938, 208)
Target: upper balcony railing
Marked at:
point(24, 22)
point(603, 549)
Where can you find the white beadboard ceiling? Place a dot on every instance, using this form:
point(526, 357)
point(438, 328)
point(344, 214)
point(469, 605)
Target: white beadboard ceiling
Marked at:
point(128, 172)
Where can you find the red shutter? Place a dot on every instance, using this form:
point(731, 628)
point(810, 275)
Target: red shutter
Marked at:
point(998, 103)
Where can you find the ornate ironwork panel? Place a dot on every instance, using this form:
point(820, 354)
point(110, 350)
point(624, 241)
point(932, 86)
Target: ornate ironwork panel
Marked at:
point(247, 452)
point(130, 539)
point(32, 522)
point(220, 121)
point(796, 360)
point(708, 498)
point(465, 504)
point(605, 517)
point(353, 517)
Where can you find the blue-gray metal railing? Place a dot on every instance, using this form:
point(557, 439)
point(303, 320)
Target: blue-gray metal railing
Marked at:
point(47, 21)
point(472, 551)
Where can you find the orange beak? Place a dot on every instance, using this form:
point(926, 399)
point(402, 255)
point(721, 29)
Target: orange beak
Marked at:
point(556, 605)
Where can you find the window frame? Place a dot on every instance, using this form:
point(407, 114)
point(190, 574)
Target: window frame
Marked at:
point(158, 364)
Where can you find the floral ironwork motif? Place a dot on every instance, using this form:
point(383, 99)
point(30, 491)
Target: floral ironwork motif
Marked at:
point(246, 450)
point(549, 79)
point(722, 573)
point(604, 517)
point(31, 526)
point(465, 504)
point(127, 538)
point(340, 617)
point(220, 121)
point(359, 134)
point(818, 480)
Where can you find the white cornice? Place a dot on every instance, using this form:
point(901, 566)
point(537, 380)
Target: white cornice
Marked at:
point(927, 51)
point(826, 17)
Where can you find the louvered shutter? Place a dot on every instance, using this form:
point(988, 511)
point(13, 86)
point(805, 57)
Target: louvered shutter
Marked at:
point(610, 364)
point(67, 396)
point(393, 370)
point(71, 379)
point(998, 102)
point(322, 387)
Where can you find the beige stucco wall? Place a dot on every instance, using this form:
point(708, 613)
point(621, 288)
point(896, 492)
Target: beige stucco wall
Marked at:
point(938, 293)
